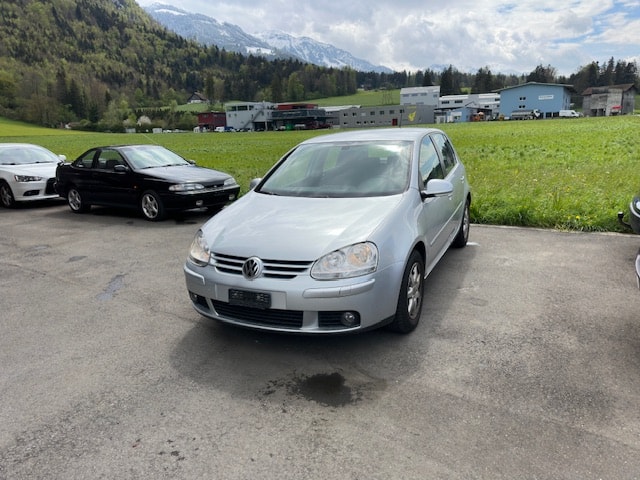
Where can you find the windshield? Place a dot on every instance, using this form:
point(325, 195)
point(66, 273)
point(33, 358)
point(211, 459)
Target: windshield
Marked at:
point(26, 155)
point(359, 169)
point(150, 156)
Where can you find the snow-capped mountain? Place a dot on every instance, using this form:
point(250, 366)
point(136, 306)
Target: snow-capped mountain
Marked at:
point(209, 31)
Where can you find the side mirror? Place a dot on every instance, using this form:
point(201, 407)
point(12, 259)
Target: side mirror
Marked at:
point(63, 158)
point(254, 183)
point(120, 168)
point(437, 188)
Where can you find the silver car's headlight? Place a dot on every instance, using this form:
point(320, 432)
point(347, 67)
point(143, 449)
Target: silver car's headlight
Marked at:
point(27, 178)
point(186, 187)
point(347, 262)
point(199, 252)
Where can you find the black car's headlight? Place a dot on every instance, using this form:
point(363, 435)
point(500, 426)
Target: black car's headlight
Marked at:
point(347, 262)
point(186, 187)
point(230, 182)
point(199, 253)
point(26, 178)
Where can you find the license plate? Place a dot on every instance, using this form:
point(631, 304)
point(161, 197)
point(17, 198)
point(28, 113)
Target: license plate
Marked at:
point(244, 298)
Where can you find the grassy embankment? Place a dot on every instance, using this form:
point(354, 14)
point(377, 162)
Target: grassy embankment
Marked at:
point(570, 174)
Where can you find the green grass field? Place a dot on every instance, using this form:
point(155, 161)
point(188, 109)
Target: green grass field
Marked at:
point(569, 174)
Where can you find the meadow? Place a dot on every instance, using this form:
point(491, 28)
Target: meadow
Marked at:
point(567, 174)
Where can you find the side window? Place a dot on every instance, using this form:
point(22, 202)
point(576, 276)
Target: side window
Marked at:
point(86, 161)
point(109, 159)
point(447, 152)
point(430, 166)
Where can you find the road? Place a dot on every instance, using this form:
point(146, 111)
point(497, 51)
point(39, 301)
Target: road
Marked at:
point(526, 364)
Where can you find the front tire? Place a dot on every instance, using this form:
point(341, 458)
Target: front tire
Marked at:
point(6, 196)
point(409, 306)
point(151, 206)
point(76, 202)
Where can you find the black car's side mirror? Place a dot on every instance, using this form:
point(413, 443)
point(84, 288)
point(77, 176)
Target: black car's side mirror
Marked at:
point(120, 168)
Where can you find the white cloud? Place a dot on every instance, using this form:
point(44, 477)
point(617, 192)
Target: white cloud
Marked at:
point(506, 35)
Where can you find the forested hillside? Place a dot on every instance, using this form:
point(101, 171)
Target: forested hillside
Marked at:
point(70, 60)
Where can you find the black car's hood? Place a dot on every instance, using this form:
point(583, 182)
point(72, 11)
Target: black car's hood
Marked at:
point(186, 173)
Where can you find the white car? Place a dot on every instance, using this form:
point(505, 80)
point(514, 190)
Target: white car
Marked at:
point(338, 237)
point(27, 173)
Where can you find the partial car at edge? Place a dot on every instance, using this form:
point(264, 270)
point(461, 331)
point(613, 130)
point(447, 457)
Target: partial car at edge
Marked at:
point(27, 173)
point(149, 178)
point(338, 236)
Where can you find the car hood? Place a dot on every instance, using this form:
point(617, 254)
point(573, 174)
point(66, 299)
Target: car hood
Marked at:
point(34, 169)
point(185, 173)
point(295, 228)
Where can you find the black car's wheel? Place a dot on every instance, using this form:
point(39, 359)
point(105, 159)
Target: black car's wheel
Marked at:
point(463, 231)
point(410, 299)
point(151, 206)
point(6, 196)
point(76, 202)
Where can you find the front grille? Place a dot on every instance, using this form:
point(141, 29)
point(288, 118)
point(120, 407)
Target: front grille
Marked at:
point(282, 269)
point(258, 316)
point(49, 190)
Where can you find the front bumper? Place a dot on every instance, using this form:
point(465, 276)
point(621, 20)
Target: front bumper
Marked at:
point(198, 199)
point(32, 191)
point(299, 305)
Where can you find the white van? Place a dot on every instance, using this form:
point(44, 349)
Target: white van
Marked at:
point(568, 114)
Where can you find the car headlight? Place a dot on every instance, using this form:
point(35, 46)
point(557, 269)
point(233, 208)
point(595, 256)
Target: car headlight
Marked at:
point(347, 262)
point(199, 252)
point(26, 178)
point(229, 182)
point(186, 187)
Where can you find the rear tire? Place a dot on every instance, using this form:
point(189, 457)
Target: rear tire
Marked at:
point(6, 196)
point(76, 202)
point(151, 206)
point(463, 232)
point(409, 306)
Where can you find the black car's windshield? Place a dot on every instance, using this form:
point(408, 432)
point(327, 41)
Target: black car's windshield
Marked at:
point(360, 169)
point(151, 156)
point(26, 155)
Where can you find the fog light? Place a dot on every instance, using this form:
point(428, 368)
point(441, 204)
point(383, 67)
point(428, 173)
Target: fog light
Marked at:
point(199, 203)
point(349, 319)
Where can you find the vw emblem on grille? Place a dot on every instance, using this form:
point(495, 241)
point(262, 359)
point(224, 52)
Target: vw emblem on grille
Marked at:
point(252, 268)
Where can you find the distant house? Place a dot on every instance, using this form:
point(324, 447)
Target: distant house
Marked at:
point(420, 95)
point(197, 97)
point(545, 100)
point(611, 100)
point(208, 121)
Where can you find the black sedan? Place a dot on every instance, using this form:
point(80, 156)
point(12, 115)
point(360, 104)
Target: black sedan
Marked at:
point(149, 178)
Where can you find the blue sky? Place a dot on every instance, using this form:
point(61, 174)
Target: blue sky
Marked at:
point(506, 36)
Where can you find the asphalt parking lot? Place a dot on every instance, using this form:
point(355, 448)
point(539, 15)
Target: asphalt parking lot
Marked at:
point(526, 364)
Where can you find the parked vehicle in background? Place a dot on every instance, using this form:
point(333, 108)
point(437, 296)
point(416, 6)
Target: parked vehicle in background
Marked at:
point(568, 114)
point(525, 114)
point(634, 224)
point(638, 269)
point(634, 213)
point(149, 178)
point(27, 173)
point(338, 237)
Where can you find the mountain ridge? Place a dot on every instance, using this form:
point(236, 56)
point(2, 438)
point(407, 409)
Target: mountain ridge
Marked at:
point(269, 44)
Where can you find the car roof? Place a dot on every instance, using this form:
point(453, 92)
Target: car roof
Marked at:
point(14, 145)
point(375, 134)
